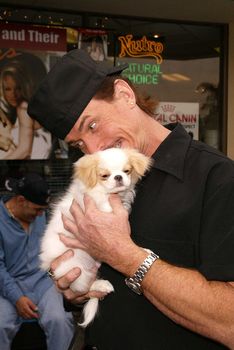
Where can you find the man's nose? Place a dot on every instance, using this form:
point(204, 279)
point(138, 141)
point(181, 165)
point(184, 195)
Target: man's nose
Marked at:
point(94, 146)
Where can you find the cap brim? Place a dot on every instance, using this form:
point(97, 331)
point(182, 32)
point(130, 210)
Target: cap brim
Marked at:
point(67, 90)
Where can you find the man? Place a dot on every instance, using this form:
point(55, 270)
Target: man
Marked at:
point(26, 291)
point(183, 213)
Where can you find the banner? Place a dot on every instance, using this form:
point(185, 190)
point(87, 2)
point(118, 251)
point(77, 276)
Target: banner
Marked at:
point(27, 53)
point(185, 113)
point(32, 37)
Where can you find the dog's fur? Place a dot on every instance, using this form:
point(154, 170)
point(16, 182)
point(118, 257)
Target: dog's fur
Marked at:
point(113, 170)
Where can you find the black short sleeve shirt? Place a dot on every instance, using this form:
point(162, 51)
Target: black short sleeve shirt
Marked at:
point(184, 212)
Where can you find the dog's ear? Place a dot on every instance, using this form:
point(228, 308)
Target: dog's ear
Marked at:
point(85, 169)
point(139, 162)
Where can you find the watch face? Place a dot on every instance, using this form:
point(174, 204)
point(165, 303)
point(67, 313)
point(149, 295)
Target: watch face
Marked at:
point(133, 286)
point(134, 282)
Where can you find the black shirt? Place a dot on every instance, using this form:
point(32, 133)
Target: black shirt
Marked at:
point(184, 212)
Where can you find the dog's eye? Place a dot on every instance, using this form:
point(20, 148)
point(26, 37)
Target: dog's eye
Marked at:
point(104, 176)
point(127, 171)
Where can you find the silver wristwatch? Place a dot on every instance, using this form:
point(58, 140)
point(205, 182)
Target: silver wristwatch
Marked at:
point(134, 282)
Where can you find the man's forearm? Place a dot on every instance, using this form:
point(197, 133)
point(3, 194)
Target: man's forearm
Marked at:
point(190, 300)
point(184, 295)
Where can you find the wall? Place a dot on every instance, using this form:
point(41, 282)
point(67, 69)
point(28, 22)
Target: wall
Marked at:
point(230, 124)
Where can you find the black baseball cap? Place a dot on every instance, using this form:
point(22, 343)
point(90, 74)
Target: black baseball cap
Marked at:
point(32, 186)
point(67, 89)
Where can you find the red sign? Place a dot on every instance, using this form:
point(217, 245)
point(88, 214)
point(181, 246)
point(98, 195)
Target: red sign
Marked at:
point(33, 37)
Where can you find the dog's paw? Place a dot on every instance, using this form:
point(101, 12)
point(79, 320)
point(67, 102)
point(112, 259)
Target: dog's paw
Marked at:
point(102, 286)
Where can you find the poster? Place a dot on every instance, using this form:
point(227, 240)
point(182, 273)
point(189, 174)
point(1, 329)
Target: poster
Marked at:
point(185, 113)
point(94, 41)
point(27, 53)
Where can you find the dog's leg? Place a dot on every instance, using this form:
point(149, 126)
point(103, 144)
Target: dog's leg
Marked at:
point(102, 286)
point(91, 307)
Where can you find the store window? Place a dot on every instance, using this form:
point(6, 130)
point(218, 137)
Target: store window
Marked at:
point(180, 64)
point(182, 71)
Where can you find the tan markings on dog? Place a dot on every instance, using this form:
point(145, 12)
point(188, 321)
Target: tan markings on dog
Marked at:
point(103, 174)
point(86, 170)
point(127, 169)
point(139, 162)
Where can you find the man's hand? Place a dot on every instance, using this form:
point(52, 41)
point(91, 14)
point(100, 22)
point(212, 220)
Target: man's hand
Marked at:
point(26, 308)
point(105, 236)
point(64, 282)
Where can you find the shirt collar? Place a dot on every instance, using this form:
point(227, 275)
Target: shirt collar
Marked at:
point(4, 212)
point(170, 155)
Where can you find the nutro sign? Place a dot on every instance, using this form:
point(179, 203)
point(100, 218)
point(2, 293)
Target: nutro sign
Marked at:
point(140, 48)
point(142, 73)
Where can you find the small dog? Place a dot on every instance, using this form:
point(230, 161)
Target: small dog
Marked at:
point(113, 170)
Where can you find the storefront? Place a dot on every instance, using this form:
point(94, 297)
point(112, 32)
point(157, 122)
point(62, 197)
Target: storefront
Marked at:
point(181, 64)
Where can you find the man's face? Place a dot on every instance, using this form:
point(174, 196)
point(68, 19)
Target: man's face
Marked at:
point(31, 210)
point(105, 124)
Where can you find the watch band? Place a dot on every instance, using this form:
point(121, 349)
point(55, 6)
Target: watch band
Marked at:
point(134, 282)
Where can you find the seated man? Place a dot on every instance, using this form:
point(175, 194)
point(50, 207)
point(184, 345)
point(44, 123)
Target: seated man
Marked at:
point(26, 292)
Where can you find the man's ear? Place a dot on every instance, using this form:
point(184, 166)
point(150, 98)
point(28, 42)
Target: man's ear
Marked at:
point(124, 91)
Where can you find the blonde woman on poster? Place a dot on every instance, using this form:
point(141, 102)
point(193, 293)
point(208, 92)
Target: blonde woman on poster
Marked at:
point(18, 81)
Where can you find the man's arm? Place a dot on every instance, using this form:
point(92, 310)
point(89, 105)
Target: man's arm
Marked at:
point(8, 287)
point(184, 295)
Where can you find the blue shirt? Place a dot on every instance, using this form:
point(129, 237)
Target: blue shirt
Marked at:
point(20, 274)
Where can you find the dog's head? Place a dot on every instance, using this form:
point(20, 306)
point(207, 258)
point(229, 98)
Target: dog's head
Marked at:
point(115, 169)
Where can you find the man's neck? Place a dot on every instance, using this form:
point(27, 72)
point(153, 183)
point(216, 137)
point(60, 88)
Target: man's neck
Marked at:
point(14, 213)
point(154, 136)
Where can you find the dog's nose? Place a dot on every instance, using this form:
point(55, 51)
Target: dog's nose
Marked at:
point(118, 178)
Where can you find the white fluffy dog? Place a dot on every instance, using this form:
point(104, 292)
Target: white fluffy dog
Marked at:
point(113, 170)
